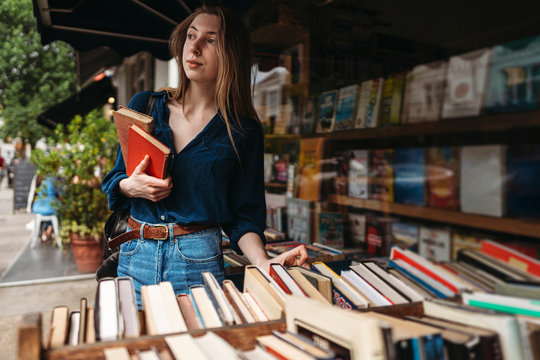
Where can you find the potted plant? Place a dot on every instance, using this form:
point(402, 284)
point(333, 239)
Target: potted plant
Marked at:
point(80, 154)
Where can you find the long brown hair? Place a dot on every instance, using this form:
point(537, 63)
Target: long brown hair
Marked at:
point(233, 85)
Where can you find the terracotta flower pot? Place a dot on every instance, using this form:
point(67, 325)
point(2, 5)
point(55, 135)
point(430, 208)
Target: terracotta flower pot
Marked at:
point(88, 252)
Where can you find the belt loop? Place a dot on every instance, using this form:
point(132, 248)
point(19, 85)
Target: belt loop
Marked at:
point(141, 230)
point(171, 231)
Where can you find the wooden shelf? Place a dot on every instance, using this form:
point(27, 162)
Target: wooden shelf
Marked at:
point(276, 185)
point(496, 123)
point(529, 228)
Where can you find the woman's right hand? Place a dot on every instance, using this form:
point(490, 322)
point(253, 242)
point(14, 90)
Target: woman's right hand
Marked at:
point(141, 185)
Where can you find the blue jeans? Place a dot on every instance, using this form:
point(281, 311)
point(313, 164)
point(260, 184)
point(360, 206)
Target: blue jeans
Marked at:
point(179, 260)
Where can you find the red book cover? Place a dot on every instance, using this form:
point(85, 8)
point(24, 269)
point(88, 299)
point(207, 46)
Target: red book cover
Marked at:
point(278, 280)
point(140, 144)
point(397, 254)
point(511, 257)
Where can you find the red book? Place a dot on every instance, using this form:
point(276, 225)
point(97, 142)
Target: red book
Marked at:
point(511, 257)
point(140, 144)
point(285, 280)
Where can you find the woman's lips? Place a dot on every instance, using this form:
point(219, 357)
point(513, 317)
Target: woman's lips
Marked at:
point(193, 63)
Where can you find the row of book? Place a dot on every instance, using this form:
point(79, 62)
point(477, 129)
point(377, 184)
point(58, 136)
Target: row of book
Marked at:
point(499, 79)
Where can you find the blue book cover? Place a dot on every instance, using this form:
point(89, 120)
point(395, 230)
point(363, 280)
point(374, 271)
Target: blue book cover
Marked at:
point(421, 282)
point(327, 111)
point(346, 107)
point(514, 78)
point(522, 174)
point(410, 176)
point(433, 347)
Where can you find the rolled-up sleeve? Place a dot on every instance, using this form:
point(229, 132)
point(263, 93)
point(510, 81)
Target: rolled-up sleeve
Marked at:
point(246, 197)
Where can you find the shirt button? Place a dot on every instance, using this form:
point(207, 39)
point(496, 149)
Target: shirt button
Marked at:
point(162, 218)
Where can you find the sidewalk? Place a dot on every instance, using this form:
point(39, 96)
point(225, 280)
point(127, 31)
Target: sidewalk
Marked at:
point(41, 297)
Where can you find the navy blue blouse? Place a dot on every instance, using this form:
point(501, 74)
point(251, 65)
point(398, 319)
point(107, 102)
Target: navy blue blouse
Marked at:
point(210, 184)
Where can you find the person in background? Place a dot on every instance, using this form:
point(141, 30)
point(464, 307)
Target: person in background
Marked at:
point(215, 177)
point(3, 166)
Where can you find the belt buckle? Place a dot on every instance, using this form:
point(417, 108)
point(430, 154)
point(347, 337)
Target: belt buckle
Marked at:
point(166, 232)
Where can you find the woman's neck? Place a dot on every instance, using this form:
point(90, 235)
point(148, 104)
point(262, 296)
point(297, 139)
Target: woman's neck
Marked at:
point(200, 98)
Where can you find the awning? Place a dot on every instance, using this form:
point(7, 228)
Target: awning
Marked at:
point(89, 98)
point(126, 26)
point(90, 63)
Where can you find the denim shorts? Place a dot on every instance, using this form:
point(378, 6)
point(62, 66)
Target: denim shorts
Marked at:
point(179, 260)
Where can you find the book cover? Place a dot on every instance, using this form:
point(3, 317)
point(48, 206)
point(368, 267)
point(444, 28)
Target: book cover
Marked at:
point(386, 101)
point(482, 179)
point(357, 229)
point(511, 256)
point(300, 220)
point(461, 240)
point(309, 115)
point(442, 177)
point(140, 144)
point(425, 92)
point(358, 173)
point(434, 243)
point(466, 84)
point(310, 163)
point(378, 235)
point(329, 227)
point(341, 295)
point(347, 101)
point(374, 105)
point(381, 174)
point(522, 174)
point(340, 173)
point(363, 104)
point(405, 235)
point(327, 111)
point(397, 98)
point(125, 117)
point(514, 81)
point(409, 176)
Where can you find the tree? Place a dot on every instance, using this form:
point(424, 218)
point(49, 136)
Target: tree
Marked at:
point(33, 77)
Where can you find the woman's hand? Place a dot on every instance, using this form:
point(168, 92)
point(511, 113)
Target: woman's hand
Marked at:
point(294, 257)
point(141, 185)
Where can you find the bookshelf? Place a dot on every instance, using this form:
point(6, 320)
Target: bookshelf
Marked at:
point(505, 225)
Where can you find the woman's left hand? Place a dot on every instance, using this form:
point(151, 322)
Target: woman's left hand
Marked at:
point(294, 257)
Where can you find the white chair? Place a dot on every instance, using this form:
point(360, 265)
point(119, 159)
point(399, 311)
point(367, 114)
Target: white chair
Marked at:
point(41, 218)
point(38, 220)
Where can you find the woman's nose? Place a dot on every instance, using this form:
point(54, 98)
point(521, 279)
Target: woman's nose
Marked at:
point(195, 47)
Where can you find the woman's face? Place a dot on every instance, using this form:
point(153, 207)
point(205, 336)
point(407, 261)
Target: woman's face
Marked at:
point(199, 57)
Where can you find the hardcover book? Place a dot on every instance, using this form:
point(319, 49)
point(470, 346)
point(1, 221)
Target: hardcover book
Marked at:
point(311, 153)
point(442, 177)
point(347, 100)
point(327, 111)
point(378, 234)
point(381, 174)
point(482, 179)
point(363, 104)
point(329, 227)
point(357, 229)
point(434, 243)
point(466, 84)
point(123, 119)
point(358, 173)
point(461, 240)
point(425, 92)
point(409, 176)
point(374, 105)
point(514, 81)
point(140, 144)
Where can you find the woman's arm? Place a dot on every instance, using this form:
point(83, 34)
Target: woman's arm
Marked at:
point(141, 185)
point(252, 247)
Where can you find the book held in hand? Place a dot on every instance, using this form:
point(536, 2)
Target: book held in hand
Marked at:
point(125, 117)
point(140, 144)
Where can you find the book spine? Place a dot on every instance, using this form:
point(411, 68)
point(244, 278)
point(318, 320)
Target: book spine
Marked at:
point(278, 280)
point(421, 282)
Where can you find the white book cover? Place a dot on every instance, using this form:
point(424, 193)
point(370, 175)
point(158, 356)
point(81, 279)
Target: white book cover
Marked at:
point(434, 243)
point(365, 288)
point(363, 104)
point(482, 179)
point(466, 84)
point(107, 304)
point(425, 92)
point(358, 173)
point(184, 346)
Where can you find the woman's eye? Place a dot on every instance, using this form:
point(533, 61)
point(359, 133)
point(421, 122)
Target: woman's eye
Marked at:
point(212, 41)
point(190, 36)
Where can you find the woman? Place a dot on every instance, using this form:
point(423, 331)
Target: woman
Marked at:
point(216, 173)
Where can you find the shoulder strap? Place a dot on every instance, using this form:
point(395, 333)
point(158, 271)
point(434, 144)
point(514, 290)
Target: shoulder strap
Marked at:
point(150, 105)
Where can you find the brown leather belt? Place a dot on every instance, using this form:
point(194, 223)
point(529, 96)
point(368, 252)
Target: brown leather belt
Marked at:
point(156, 232)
